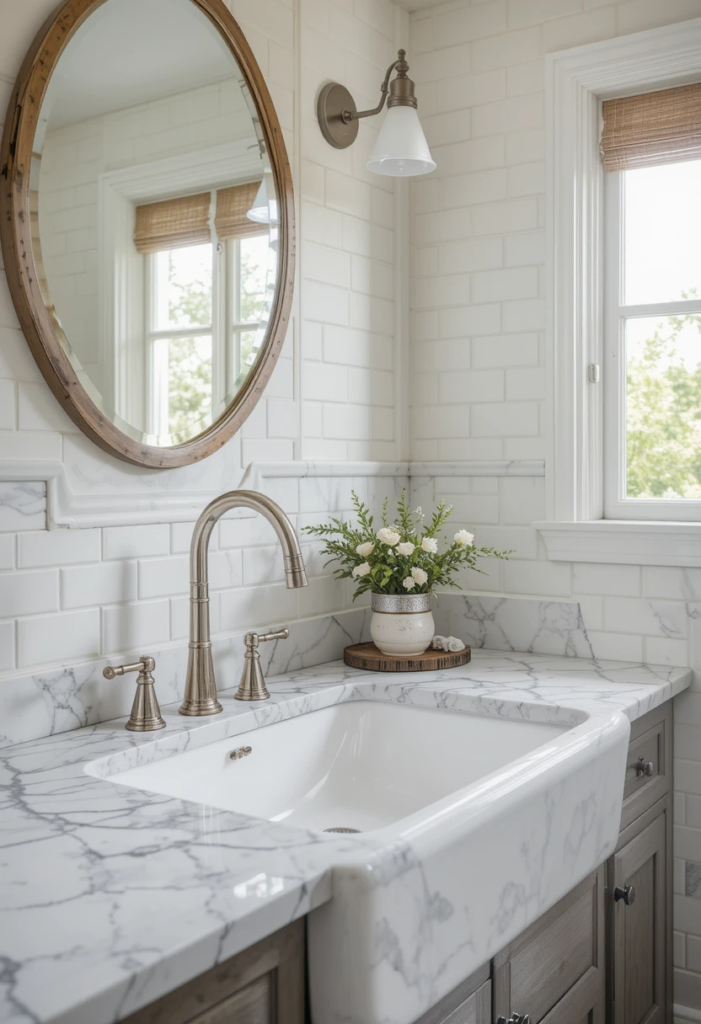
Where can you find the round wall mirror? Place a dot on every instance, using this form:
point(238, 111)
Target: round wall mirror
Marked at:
point(147, 223)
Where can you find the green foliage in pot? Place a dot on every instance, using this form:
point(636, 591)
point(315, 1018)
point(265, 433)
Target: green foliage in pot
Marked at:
point(405, 556)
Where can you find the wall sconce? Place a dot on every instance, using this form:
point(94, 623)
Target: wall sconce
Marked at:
point(401, 149)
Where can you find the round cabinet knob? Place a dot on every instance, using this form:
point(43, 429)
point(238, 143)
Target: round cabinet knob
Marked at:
point(644, 767)
point(625, 893)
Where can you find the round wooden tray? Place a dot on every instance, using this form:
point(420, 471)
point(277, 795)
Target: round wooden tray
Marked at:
point(368, 657)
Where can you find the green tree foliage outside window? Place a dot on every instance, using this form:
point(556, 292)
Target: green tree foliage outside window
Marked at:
point(663, 410)
point(190, 359)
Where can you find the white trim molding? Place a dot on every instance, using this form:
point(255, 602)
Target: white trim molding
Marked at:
point(577, 81)
point(623, 542)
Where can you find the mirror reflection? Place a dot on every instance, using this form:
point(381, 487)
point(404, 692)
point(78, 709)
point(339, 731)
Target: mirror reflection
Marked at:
point(154, 217)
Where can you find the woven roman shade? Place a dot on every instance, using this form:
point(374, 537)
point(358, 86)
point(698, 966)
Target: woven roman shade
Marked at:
point(233, 204)
point(173, 223)
point(654, 128)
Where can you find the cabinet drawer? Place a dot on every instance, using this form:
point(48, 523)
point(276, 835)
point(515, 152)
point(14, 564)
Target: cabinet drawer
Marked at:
point(560, 954)
point(649, 763)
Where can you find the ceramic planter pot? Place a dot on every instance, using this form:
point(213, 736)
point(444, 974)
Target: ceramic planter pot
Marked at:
point(402, 624)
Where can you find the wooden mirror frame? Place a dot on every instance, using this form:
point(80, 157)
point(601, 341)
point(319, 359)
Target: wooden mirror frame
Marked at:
point(21, 268)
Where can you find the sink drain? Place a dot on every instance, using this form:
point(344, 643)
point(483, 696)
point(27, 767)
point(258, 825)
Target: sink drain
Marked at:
point(341, 829)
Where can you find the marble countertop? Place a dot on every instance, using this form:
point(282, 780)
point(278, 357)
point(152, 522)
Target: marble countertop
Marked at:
point(110, 897)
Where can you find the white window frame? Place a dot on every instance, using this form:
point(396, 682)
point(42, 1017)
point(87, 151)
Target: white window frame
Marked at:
point(576, 83)
point(616, 504)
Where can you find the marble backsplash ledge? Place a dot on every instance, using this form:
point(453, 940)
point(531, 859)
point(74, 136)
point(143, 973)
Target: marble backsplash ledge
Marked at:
point(514, 624)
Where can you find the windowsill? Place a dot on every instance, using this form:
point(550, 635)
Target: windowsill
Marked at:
point(623, 542)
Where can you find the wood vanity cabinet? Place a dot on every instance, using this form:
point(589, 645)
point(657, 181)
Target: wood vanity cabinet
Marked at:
point(264, 984)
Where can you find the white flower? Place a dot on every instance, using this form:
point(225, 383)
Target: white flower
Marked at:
point(463, 538)
point(430, 544)
point(409, 583)
point(365, 549)
point(407, 548)
point(388, 536)
point(419, 576)
point(361, 570)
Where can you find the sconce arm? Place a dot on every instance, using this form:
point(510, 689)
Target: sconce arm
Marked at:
point(355, 115)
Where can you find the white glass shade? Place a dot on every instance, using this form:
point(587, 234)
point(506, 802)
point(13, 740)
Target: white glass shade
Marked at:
point(401, 149)
point(263, 211)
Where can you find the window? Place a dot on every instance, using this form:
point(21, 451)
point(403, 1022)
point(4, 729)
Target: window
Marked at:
point(206, 268)
point(652, 342)
point(589, 515)
point(204, 304)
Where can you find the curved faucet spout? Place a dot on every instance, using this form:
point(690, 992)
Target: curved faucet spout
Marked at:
point(200, 684)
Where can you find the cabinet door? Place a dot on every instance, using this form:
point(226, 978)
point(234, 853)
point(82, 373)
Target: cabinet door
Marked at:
point(639, 926)
point(554, 971)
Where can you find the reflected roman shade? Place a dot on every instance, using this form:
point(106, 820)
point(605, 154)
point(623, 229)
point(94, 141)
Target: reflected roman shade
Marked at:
point(233, 204)
point(653, 128)
point(173, 223)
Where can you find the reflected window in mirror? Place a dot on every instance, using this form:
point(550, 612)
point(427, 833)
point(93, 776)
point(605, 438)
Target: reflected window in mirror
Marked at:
point(204, 321)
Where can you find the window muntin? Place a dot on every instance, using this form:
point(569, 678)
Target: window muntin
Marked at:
point(652, 425)
point(249, 274)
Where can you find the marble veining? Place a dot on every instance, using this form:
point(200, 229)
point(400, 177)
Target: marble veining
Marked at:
point(22, 505)
point(112, 896)
point(523, 624)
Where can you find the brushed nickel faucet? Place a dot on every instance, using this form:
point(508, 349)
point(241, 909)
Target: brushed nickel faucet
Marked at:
point(200, 684)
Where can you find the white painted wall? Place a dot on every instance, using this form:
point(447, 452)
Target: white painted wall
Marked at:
point(478, 367)
point(67, 595)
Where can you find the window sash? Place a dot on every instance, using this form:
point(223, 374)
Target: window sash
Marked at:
point(616, 504)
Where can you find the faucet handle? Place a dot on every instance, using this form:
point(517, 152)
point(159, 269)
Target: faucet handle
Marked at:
point(252, 685)
point(144, 664)
point(145, 712)
point(253, 639)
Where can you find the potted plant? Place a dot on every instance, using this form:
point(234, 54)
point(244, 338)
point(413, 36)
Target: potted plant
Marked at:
point(401, 564)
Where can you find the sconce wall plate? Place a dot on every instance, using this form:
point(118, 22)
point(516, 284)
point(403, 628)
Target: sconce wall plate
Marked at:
point(333, 100)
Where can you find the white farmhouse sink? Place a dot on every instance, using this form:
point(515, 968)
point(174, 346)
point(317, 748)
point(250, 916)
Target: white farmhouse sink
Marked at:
point(360, 765)
point(473, 819)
